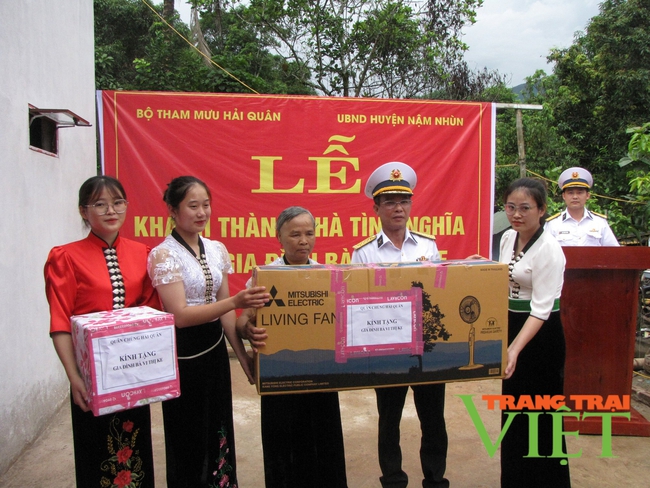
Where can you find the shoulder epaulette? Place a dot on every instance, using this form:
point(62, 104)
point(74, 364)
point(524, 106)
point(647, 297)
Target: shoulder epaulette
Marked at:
point(364, 242)
point(422, 234)
point(553, 216)
point(599, 214)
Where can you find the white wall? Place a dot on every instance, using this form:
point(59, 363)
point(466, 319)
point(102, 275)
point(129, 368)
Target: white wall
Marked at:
point(47, 60)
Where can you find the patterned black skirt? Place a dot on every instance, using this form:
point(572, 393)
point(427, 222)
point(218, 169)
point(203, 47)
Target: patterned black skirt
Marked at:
point(113, 449)
point(199, 436)
point(539, 371)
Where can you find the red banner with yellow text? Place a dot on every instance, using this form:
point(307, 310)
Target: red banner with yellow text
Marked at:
point(261, 154)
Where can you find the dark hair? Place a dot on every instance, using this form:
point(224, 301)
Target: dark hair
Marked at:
point(533, 187)
point(289, 214)
point(93, 187)
point(177, 190)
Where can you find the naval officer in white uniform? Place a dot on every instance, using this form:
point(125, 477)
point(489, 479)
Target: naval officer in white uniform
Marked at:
point(391, 188)
point(576, 225)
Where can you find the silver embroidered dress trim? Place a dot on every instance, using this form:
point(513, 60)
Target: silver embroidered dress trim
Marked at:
point(514, 289)
point(115, 274)
point(170, 262)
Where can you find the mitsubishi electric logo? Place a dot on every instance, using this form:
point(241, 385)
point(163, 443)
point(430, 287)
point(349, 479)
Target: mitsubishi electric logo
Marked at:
point(310, 309)
point(277, 301)
point(299, 298)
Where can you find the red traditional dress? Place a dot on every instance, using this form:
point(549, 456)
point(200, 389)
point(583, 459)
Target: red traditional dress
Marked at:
point(91, 276)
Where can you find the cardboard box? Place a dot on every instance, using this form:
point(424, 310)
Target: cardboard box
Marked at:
point(126, 357)
point(338, 327)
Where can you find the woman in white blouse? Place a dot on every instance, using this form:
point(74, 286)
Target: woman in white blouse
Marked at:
point(190, 274)
point(536, 349)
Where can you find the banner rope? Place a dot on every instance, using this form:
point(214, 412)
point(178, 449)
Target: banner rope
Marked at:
point(198, 50)
point(641, 374)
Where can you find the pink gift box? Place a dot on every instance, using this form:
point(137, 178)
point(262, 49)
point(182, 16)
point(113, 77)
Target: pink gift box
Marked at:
point(126, 357)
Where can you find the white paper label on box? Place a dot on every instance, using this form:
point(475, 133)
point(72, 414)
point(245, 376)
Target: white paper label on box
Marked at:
point(138, 358)
point(379, 323)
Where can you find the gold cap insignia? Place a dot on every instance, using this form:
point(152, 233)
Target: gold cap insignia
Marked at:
point(574, 174)
point(395, 175)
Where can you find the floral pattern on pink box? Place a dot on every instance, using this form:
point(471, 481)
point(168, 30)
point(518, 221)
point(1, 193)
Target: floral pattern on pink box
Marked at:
point(127, 357)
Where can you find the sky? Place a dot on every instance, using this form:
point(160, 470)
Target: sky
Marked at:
point(513, 36)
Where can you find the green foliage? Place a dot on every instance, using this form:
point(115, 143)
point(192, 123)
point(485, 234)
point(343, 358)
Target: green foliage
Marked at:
point(121, 35)
point(638, 149)
point(546, 150)
point(237, 45)
point(604, 80)
point(135, 50)
point(638, 155)
point(167, 64)
point(640, 185)
point(597, 96)
point(379, 48)
point(382, 48)
point(600, 86)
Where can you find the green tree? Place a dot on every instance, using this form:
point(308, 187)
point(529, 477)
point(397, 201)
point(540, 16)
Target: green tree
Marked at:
point(604, 86)
point(549, 151)
point(546, 150)
point(168, 63)
point(638, 149)
point(638, 158)
point(136, 50)
point(385, 48)
point(380, 48)
point(600, 86)
point(236, 44)
point(121, 35)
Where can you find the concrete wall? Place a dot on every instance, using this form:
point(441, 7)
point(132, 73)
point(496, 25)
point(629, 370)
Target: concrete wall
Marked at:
point(47, 51)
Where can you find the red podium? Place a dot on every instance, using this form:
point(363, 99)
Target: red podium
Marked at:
point(599, 313)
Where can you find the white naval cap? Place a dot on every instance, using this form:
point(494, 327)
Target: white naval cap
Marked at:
point(575, 177)
point(391, 178)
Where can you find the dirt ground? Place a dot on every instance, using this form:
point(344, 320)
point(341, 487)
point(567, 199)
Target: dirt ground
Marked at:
point(49, 461)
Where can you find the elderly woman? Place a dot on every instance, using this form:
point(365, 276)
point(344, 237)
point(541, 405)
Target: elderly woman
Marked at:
point(302, 438)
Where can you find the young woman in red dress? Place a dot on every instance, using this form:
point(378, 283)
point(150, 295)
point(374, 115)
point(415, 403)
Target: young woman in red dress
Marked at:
point(101, 272)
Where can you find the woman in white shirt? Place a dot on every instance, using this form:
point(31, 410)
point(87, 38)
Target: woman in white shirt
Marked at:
point(190, 274)
point(536, 349)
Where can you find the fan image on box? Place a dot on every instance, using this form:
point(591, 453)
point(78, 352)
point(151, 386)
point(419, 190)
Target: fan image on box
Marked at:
point(469, 311)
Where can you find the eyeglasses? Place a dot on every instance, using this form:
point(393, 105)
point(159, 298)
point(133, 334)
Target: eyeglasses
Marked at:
point(522, 209)
point(392, 204)
point(101, 208)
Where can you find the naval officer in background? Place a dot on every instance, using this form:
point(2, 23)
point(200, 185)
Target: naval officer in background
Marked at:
point(576, 225)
